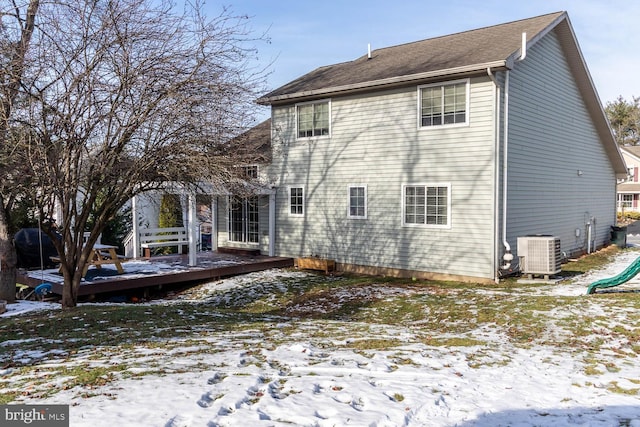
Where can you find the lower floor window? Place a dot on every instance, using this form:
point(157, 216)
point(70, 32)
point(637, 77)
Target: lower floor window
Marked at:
point(425, 204)
point(296, 201)
point(243, 219)
point(625, 200)
point(357, 201)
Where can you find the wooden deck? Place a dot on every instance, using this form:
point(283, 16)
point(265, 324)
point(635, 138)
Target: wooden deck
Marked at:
point(157, 272)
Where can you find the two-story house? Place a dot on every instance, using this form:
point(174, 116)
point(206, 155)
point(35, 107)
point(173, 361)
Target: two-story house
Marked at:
point(629, 189)
point(430, 159)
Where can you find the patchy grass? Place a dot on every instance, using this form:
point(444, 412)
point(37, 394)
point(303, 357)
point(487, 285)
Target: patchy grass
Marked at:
point(454, 342)
point(44, 353)
point(397, 397)
point(616, 388)
point(590, 262)
point(373, 344)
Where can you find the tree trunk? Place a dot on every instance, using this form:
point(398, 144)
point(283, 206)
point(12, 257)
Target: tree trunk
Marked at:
point(8, 258)
point(13, 75)
point(70, 288)
point(72, 268)
point(69, 294)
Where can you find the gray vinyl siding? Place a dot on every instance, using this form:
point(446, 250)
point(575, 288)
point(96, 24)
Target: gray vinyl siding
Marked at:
point(375, 141)
point(551, 138)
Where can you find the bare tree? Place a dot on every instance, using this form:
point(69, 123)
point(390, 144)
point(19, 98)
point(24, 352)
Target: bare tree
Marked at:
point(125, 96)
point(17, 24)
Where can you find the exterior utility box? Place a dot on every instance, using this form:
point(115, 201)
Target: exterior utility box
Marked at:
point(539, 255)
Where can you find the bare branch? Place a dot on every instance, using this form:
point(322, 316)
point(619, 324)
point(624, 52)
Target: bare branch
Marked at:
point(123, 96)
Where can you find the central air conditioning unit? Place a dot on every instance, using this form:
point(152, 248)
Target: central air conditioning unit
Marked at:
point(539, 255)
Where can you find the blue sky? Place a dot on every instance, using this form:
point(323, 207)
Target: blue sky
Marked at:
point(307, 34)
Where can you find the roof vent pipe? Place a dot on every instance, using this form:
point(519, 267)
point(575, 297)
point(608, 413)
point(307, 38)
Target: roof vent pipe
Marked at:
point(369, 51)
point(523, 49)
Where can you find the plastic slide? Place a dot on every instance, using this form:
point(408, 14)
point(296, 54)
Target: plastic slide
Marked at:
point(621, 278)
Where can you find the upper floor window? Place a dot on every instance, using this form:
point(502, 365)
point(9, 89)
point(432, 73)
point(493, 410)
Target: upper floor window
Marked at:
point(313, 119)
point(443, 103)
point(250, 171)
point(426, 205)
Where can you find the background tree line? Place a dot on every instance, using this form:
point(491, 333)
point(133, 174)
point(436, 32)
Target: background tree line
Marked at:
point(624, 117)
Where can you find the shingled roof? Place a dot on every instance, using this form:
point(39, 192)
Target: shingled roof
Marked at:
point(254, 145)
point(462, 53)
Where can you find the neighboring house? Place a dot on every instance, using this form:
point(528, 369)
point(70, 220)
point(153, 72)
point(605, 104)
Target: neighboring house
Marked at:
point(430, 159)
point(629, 189)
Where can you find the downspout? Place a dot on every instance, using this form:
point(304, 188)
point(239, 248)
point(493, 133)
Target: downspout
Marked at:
point(508, 256)
point(496, 133)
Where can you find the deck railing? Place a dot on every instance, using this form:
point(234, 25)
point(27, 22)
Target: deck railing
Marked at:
point(127, 242)
point(144, 237)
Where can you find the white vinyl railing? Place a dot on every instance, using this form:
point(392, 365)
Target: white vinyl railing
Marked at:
point(127, 242)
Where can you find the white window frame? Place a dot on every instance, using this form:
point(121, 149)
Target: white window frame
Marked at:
point(249, 170)
point(301, 104)
point(625, 200)
point(366, 208)
point(250, 205)
point(303, 201)
point(467, 83)
point(426, 186)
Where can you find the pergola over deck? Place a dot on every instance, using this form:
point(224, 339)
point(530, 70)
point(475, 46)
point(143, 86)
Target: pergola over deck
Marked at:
point(191, 223)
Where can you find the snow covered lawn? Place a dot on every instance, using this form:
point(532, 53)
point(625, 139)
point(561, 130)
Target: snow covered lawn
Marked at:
point(283, 348)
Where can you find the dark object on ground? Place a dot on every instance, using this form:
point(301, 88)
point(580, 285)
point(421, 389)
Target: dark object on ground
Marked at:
point(27, 243)
point(619, 236)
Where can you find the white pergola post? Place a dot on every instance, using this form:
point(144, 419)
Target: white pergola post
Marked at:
point(192, 230)
point(214, 223)
point(136, 232)
point(272, 223)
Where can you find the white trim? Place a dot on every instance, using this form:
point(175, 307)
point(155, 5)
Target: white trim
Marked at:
point(245, 169)
point(215, 216)
point(228, 217)
point(426, 185)
point(304, 201)
point(467, 83)
point(319, 101)
point(136, 226)
point(272, 224)
point(193, 229)
point(366, 204)
point(623, 203)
